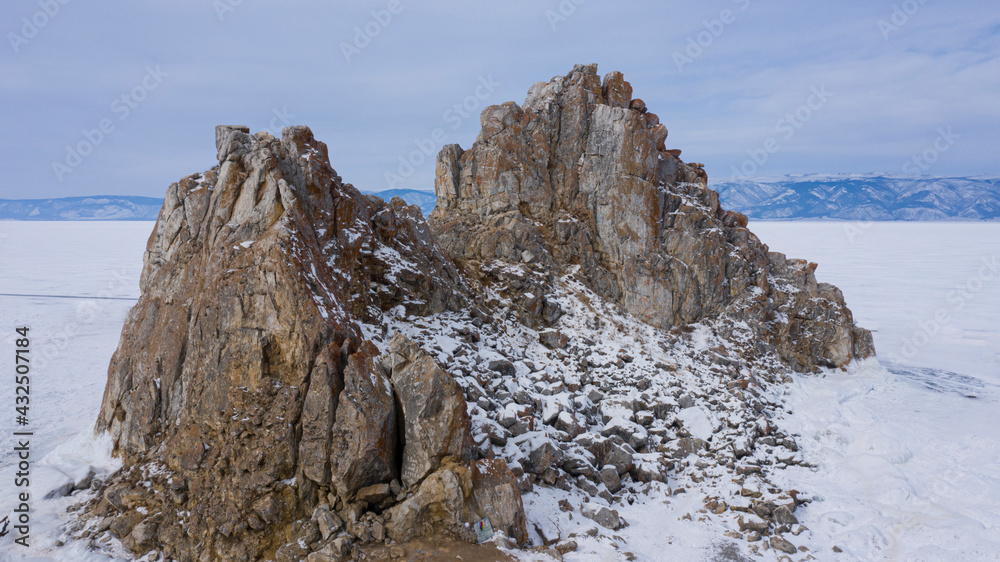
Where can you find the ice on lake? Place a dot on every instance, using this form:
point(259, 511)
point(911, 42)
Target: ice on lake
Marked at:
point(908, 455)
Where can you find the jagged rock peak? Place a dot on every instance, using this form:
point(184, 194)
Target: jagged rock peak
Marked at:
point(579, 177)
point(245, 386)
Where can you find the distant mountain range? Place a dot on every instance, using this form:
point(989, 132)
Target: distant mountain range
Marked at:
point(815, 197)
point(840, 197)
point(864, 197)
point(423, 199)
point(95, 208)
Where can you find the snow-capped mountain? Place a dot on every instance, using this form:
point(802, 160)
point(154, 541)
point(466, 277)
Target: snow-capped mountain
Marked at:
point(423, 199)
point(94, 208)
point(814, 196)
point(845, 197)
point(864, 197)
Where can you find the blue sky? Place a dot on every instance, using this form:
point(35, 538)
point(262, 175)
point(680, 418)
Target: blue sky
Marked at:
point(744, 86)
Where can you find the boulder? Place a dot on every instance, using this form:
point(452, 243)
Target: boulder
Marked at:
point(456, 496)
point(632, 433)
point(540, 454)
point(373, 494)
point(610, 452)
point(553, 339)
point(364, 434)
point(784, 516)
point(504, 367)
point(435, 419)
point(569, 423)
point(609, 476)
point(753, 523)
point(603, 516)
point(637, 105)
point(781, 544)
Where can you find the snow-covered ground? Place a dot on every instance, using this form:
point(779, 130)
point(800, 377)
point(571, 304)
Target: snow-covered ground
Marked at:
point(72, 340)
point(909, 455)
point(908, 458)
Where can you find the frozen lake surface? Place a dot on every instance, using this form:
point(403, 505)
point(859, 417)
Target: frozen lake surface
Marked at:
point(929, 291)
point(908, 457)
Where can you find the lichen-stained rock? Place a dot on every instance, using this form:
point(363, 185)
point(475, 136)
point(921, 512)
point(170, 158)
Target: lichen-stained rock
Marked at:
point(578, 178)
point(456, 496)
point(242, 370)
point(434, 413)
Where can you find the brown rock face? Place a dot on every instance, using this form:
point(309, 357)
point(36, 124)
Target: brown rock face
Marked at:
point(577, 176)
point(434, 412)
point(242, 385)
point(456, 495)
point(363, 437)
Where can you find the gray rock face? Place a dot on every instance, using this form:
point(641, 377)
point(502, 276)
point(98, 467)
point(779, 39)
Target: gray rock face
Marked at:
point(578, 176)
point(319, 411)
point(435, 420)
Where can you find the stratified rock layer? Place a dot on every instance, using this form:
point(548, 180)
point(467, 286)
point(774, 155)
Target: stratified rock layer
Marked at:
point(579, 176)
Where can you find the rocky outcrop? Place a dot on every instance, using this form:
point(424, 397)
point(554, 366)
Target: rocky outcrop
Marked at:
point(579, 175)
point(244, 376)
point(262, 409)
